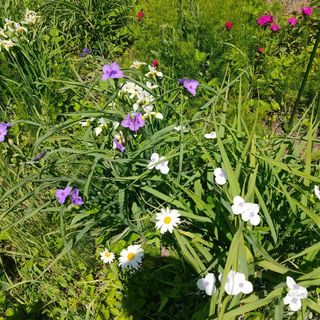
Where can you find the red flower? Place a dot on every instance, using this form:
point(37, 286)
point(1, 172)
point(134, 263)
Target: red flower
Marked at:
point(260, 50)
point(155, 63)
point(229, 25)
point(140, 15)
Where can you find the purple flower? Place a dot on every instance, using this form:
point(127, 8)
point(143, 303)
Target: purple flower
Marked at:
point(133, 124)
point(111, 71)
point(292, 21)
point(263, 20)
point(62, 194)
point(307, 11)
point(118, 145)
point(274, 27)
point(4, 130)
point(39, 156)
point(76, 200)
point(85, 51)
point(190, 85)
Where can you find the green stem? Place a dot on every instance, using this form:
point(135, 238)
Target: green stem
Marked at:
point(305, 78)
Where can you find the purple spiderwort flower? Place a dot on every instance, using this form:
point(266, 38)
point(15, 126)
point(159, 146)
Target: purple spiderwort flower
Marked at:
point(133, 124)
point(85, 51)
point(292, 21)
point(307, 11)
point(118, 145)
point(274, 27)
point(62, 194)
point(263, 20)
point(191, 85)
point(4, 130)
point(39, 156)
point(76, 200)
point(111, 71)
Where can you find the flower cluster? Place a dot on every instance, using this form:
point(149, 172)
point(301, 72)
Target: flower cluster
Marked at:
point(249, 211)
point(129, 258)
point(295, 295)
point(62, 194)
point(236, 283)
point(12, 29)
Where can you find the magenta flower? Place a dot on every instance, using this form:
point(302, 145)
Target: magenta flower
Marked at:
point(62, 194)
point(111, 71)
point(292, 21)
point(76, 200)
point(4, 130)
point(133, 124)
point(274, 27)
point(263, 20)
point(191, 85)
point(307, 11)
point(118, 145)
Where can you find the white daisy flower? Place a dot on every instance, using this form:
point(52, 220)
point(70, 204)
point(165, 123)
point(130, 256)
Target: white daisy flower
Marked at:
point(236, 283)
point(131, 257)
point(238, 205)
point(250, 213)
point(106, 256)
point(167, 219)
point(159, 163)
point(207, 284)
point(211, 135)
point(317, 191)
point(220, 176)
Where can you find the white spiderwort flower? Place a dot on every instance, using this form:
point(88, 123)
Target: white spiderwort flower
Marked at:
point(238, 205)
point(317, 191)
point(295, 295)
point(250, 213)
point(159, 163)
point(236, 283)
point(220, 176)
point(154, 72)
point(131, 257)
point(106, 256)
point(293, 302)
point(30, 17)
point(207, 284)
point(167, 219)
point(211, 135)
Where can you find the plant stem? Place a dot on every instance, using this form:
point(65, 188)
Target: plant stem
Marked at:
point(304, 81)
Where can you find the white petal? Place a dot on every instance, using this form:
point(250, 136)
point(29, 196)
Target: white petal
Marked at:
point(295, 305)
point(317, 191)
point(247, 288)
point(200, 284)
point(211, 135)
point(220, 180)
point(290, 282)
point(164, 168)
point(98, 130)
point(255, 220)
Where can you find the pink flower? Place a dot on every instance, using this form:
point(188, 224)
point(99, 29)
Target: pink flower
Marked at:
point(263, 20)
point(140, 15)
point(261, 50)
point(292, 21)
point(155, 63)
point(274, 27)
point(229, 25)
point(307, 11)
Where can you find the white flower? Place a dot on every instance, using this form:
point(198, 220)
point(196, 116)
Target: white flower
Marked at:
point(183, 128)
point(299, 291)
point(106, 256)
point(19, 28)
point(293, 302)
point(159, 163)
point(151, 86)
point(207, 284)
point(158, 115)
point(154, 72)
point(237, 283)
point(238, 205)
point(211, 135)
point(167, 219)
point(30, 17)
point(137, 64)
point(317, 191)
point(220, 176)
point(131, 257)
point(250, 213)
point(7, 44)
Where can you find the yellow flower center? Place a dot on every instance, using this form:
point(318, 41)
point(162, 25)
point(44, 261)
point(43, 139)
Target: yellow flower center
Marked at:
point(131, 256)
point(167, 220)
point(107, 254)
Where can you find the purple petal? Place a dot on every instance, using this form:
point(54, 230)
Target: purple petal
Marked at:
point(138, 121)
point(75, 198)
point(119, 145)
point(127, 122)
point(62, 194)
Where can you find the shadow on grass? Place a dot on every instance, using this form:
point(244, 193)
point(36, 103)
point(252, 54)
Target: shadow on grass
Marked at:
point(164, 289)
